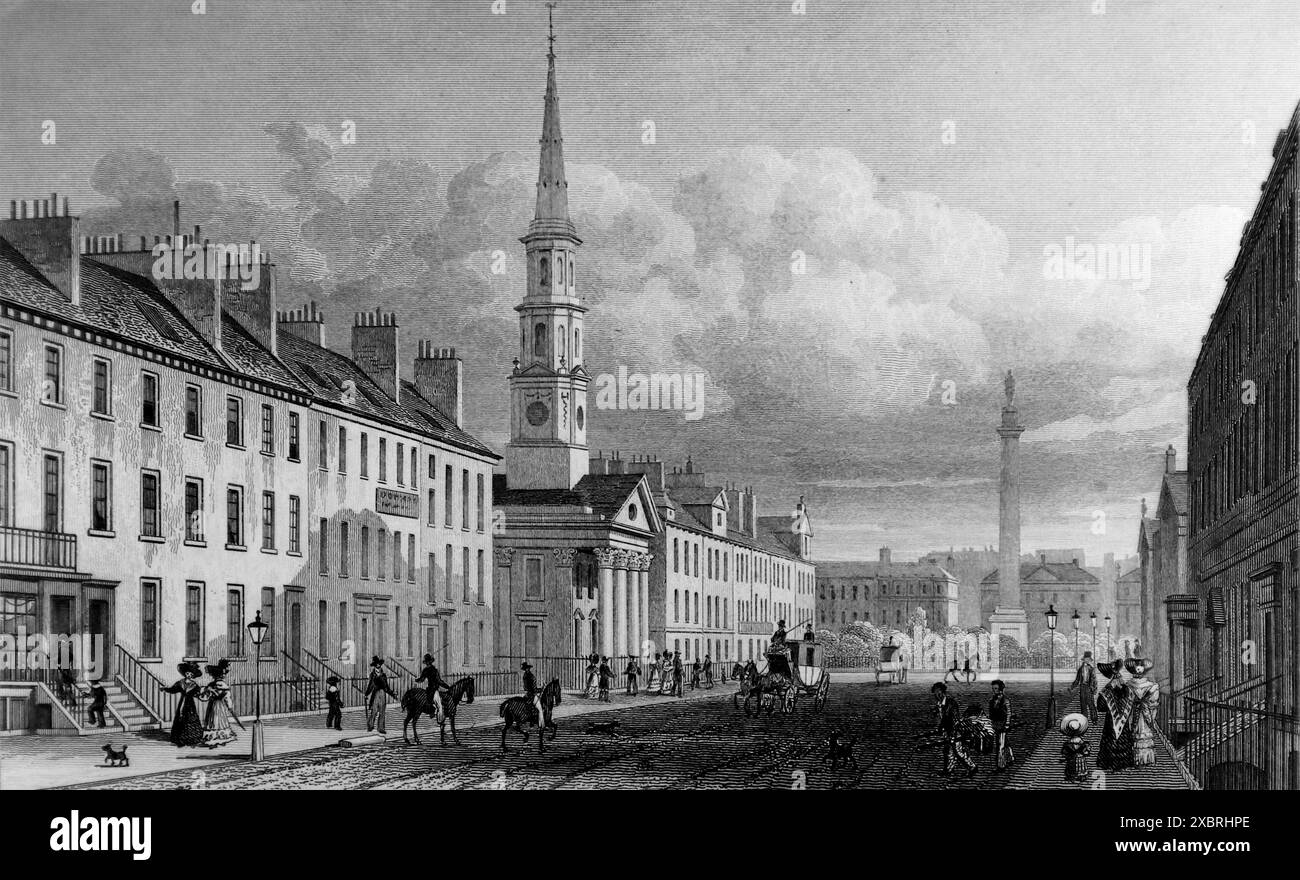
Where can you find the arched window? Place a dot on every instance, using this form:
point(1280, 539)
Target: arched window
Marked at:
point(577, 344)
point(559, 264)
point(546, 272)
point(572, 280)
point(677, 606)
point(539, 341)
point(561, 338)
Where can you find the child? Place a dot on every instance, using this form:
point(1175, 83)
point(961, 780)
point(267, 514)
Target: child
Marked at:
point(334, 715)
point(1075, 750)
point(99, 702)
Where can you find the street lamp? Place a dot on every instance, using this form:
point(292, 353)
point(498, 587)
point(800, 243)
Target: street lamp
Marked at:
point(257, 631)
point(1110, 648)
point(1075, 618)
point(1051, 666)
point(1093, 615)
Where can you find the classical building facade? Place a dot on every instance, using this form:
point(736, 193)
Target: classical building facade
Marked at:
point(1162, 549)
point(1065, 586)
point(179, 455)
point(886, 593)
point(1242, 557)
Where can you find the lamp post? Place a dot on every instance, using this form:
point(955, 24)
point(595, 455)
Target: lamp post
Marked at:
point(1110, 647)
point(1051, 666)
point(1075, 618)
point(1093, 615)
point(257, 631)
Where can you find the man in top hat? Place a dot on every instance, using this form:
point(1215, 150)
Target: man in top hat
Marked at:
point(377, 693)
point(1000, 716)
point(334, 701)
point(530, 689)
point(1086, 681)
point(434, 685)
point(808, 633)
point(708, 671)
point(98, 703)
point(679, 673)
point(778, 637)
point(947, 715)
point(633, 672)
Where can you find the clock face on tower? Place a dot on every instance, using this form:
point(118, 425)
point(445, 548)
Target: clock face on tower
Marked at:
point(537, 413)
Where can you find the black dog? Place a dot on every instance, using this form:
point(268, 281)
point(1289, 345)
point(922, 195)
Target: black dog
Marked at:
point(840, 748)
point(117, 757)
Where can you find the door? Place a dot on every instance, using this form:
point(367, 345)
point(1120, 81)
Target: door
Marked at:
point(99, 624)
point(432, 640)
point(295, 631)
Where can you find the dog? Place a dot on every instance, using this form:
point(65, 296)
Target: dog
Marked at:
point(840, 748)
point(605, 728)
point(117, 757)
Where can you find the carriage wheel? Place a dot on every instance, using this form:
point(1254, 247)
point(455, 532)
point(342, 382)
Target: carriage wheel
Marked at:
point(823, 688)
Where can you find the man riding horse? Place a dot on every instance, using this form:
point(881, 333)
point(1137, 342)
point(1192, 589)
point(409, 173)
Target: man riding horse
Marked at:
point(531, 693)
point(435, 685)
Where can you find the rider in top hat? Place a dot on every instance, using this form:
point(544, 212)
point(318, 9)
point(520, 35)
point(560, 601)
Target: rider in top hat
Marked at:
point(778, 637)
point(530, 688)
point(434, 684)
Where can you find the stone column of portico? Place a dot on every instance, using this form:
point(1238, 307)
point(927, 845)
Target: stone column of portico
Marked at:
point(620, 605)
point(634, 605)
point(503, 635)
point(605, 561)
point(643, 594)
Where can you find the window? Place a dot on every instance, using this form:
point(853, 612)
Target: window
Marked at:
point(677, 608)
point(149, 399)
point(533, 578)
point(397, 556)
point(381, 557)
point(294, 436)
point(324, 457)
point(432, 580)
point(383, 459)
point(480, 643)
point(432, 474)
point(446, 496)
point(194, 620)
point(467, 660)
point(676, 566)
point(464, 571)
point(52, 389)
point(343, 549)
point(295, 524)
point(268, 429)
point(343, 450)
point(343, 626)
point(447, 570)
point(149, 522)
point(149, 595)
point(478, 510)
point(415, 468)
point(101, 497)
point(6, 484)
point(539, 335)
point(365, 455)
point(432, 508)
point(6, 361)
point(410, 558)
point(323, 628)
point(401, 464)
point(479, 595)
point(365, 551)
point(235, 421)
point(464, 499)
point(235, 517)
point(268, 520)
point(268, 617)
point(193, 509)
point(234, 620)
point(101, 402)
point(696, 554)
point(324, 538)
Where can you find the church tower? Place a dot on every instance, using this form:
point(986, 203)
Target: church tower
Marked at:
point(548, 388)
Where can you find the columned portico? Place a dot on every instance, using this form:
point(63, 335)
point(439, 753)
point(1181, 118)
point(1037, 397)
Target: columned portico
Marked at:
point(606, 560)
point(620, 605)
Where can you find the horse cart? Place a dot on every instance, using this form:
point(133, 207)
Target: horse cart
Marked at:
point(891, 665)
point(793, 670)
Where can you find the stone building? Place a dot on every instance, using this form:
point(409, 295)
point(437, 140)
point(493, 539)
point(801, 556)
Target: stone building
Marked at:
point(885, 593)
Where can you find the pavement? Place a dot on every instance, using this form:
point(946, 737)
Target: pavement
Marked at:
point(32, 762)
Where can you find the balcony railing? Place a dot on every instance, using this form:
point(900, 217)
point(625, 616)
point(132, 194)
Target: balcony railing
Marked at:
point(35, 547)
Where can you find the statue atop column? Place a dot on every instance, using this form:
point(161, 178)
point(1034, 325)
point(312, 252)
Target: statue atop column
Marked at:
point(1009, 383)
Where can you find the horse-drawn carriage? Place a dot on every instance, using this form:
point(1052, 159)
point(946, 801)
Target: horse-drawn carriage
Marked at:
point(793, 669)
point(891, 665)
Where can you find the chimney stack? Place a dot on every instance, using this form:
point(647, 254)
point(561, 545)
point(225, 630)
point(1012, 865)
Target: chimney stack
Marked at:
point(438, 378)
point(374, 349)
point(885, 555)
point(51, 243)
point(253, 308)
point(1171, 460)
point(306, 323)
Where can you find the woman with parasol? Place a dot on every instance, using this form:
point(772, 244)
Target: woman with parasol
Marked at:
point(187, 730)
point(217, 730)
point(1146, 700)
point(1115, 706)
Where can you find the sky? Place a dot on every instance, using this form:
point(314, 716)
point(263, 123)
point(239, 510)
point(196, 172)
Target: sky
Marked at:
point(851, 221)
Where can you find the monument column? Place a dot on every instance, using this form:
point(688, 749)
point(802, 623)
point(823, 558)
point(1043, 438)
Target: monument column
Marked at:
point(1009, 616)
point(605, 560)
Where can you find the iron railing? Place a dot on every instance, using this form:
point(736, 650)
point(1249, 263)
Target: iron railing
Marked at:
point(147, 686)
point(1234, 738)
point(39, 548)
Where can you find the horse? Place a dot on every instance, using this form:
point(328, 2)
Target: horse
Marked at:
point(518, 713)
point(416, 702)
point(772, 685)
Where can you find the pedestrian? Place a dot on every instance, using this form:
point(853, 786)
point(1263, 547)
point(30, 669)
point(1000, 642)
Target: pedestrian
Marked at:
point(1085, 681)
point(67, 685)
point(1000, 716)
point(334, 701)
point(678, 674)
point(98, 703)
point(593, 678)
point(968, 673)
point(1146, 701)
point(695, 674)
point(947, 717)
point(187, 729)
point(708, 671)
point(666, 674)
point(952, 672)
point(217, 730)
point(1115, 707)
point(606, 676)
point(1075, 749)
point(633, 672)
point(377, 693)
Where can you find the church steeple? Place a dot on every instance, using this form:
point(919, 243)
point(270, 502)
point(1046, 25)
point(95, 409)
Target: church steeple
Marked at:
point(548, 388)
point(552, 188)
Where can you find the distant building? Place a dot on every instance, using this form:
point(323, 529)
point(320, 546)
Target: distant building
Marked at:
point(885, 593)
point(1162, 548)
point(1128, 614)
point(1063, 585)
point(969, 565)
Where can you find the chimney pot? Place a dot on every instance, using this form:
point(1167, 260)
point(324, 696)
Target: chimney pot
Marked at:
point(13, 209)
point(65, 207)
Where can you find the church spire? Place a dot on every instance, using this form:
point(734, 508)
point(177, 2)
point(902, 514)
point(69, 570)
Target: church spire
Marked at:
point(552, 188)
